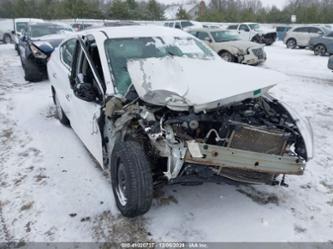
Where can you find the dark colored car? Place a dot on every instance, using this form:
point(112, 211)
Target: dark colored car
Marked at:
point(36, 46)
point(330, 63)
point(322, 45)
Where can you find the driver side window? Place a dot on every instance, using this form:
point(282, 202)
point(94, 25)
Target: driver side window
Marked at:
point(244, 27)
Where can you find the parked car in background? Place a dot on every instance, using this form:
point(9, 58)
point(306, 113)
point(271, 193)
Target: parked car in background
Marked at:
point(155, 105)
point(300, 36)
point(6, 30)
point(322, 45)
point(281, 32)
point(20, 27)
point(183, 24)
point(254, 32)
point(81, 26)
point(36, 46)
point(230, 47)
point(330, 63)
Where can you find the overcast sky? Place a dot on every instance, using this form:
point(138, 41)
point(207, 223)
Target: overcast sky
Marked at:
point(278, 3)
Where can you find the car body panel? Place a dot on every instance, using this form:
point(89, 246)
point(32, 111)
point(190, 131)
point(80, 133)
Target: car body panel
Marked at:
point(184, 77)
point(326, 40)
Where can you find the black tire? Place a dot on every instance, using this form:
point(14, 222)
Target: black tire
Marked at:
point(61, 116)
point(320, 49)
point(291, 43)
point(7, 39)
point(227, 56)
point(131, 177)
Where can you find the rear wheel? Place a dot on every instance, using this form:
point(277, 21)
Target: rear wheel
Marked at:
point(7, 39)
point(320, 50)
point(131, 178)
point(291, 43)
point(227, 56)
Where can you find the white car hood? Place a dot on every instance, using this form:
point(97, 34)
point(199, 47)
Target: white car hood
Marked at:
point(179, 82)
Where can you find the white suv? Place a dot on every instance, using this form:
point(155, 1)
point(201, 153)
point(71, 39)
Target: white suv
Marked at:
point(300, 36)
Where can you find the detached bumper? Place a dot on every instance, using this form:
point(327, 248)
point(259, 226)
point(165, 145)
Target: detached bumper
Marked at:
point(211, 155)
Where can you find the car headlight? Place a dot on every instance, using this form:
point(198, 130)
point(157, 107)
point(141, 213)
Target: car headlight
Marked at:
point(37, 53)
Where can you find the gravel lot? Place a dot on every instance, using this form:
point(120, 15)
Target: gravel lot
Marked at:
point(52, 190)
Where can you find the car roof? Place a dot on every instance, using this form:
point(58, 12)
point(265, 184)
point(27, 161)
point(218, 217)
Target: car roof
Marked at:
point(137, 31)
point(29, 20)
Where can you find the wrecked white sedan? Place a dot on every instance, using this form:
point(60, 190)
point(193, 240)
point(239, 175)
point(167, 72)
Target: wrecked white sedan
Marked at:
point(155, 105)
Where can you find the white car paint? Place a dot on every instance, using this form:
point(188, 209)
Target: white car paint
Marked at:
point(247, 33)
point(205, 83)
point(244, 52)
point(303, 34)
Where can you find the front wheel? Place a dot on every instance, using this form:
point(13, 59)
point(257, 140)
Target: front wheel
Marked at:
point(225, 55)
point(131, 177)
point(320, 50)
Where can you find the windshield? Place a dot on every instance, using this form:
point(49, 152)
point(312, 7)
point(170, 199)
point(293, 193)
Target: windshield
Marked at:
point(120, 51)
point(42, 30)
point(224, 36)
point(254, 26)
point(21, 27)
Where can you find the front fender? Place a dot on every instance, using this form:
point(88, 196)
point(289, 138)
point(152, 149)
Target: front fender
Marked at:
point(304, 127)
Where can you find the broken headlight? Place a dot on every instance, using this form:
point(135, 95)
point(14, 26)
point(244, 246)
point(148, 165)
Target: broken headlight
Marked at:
point(37, 53)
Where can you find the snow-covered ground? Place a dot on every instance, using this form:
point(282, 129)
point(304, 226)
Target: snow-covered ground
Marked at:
point(52, 190)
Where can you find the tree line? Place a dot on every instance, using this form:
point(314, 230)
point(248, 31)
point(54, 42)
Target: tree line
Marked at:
point(307, 11)
point(98, 9)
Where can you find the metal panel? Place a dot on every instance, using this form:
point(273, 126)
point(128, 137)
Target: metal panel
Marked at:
point(241, 159)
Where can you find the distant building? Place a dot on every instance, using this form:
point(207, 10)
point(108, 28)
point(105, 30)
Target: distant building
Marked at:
point(194, 10)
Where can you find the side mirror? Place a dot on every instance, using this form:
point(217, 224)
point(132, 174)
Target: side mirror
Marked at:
point(83, 90)
point(207, 39)
point(13, 32)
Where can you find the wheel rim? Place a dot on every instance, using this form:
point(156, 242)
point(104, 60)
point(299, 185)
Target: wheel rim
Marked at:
point(226, 57)
point(58, 108)
point(121, 184)
point(291, 44)
point(320, 50)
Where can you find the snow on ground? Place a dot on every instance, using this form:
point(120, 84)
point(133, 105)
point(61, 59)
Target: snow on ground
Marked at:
point(52, 190)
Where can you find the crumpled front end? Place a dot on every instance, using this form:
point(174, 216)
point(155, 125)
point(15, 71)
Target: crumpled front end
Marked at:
point(252, 141)
point(254, 56)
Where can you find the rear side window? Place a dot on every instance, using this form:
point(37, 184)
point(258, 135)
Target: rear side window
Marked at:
point(202, 35)
point(302, 30)
point(67, 52)
point(244, 27)
point(315, 30)
point(233, 27)
point(186, 24)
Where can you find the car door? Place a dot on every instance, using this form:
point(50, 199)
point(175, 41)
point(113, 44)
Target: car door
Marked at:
point(329, 42)
point(62, 73)
point(244, 32)
point(302, 36)
point(85, 114)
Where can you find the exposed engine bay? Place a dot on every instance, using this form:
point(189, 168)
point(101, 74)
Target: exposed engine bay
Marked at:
point(253, 141)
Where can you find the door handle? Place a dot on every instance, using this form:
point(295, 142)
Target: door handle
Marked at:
point(68, 97)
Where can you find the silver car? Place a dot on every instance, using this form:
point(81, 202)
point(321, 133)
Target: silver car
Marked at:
point(230, 47)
